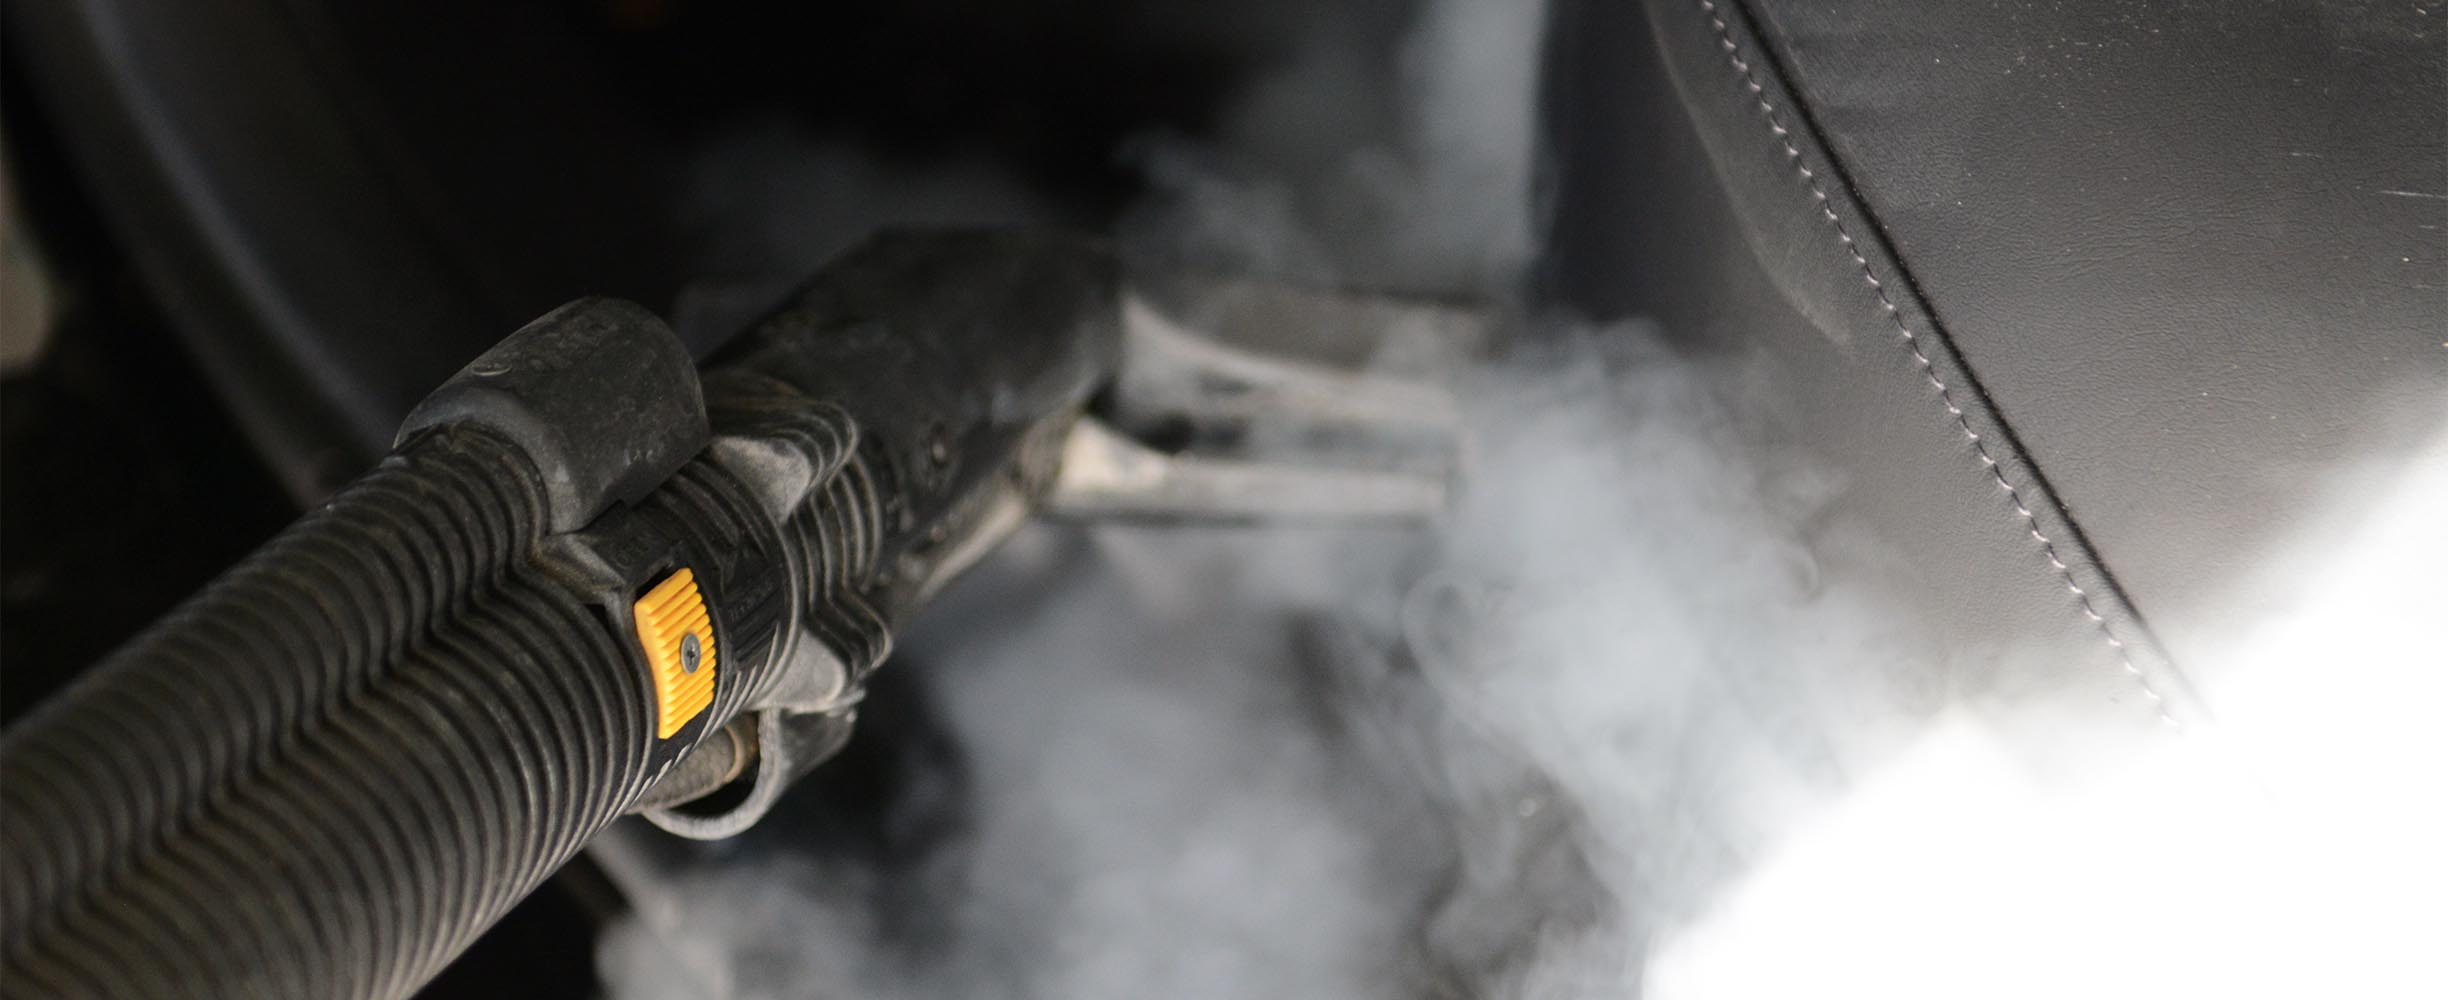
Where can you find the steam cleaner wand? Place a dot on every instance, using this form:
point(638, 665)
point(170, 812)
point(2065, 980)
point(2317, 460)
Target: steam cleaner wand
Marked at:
point(591, 580)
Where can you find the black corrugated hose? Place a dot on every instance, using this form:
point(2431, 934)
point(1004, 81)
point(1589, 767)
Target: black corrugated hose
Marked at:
point(336, 747)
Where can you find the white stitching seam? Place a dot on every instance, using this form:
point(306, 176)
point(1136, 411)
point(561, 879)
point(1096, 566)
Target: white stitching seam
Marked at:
point(1912, 342)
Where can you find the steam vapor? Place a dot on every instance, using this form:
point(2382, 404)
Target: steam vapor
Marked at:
point(1636, 719)
point(1491, 759)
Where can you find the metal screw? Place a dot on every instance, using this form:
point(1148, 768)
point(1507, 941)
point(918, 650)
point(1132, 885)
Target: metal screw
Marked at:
point(689, 653)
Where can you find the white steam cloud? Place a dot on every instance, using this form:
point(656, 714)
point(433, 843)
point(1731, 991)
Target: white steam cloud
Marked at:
point(1488, 761)
point(1636, 719)
point(2297, 846)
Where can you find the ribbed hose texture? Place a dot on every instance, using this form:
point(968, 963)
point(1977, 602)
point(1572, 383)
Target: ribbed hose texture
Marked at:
point(327, 773)
point(839, 537)
point(835, 539)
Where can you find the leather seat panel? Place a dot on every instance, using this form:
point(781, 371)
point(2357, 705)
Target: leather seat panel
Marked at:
point(1700, 215)
point(2197, 252)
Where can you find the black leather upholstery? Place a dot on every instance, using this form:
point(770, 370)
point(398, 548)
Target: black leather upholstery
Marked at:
point(2169, 266)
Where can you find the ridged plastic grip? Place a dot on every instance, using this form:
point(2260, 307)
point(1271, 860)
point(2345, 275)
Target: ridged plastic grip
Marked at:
point(327, 773)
